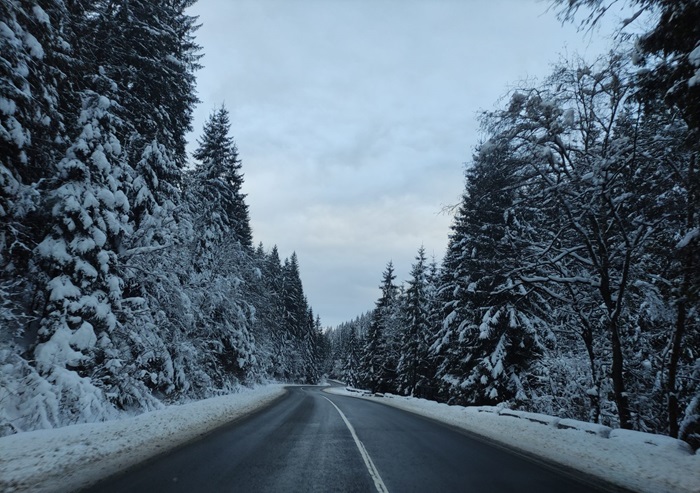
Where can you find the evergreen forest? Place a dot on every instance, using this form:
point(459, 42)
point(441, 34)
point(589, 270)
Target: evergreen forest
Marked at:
point(130, 278)
point(570, 281)
point(128, 275)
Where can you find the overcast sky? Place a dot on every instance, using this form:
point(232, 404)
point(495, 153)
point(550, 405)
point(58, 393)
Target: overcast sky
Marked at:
point(354, 119)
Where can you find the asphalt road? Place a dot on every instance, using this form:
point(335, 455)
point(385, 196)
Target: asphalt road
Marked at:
point(312, 441)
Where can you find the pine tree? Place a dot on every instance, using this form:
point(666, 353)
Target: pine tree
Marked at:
point(32, 140)
point(487, 344)
point(270, 314)
point(152, 57)
point(80, 330)
point(218, 182)
point(378, 367)
point(294, 318)
point(413, 366)
point(351, 363)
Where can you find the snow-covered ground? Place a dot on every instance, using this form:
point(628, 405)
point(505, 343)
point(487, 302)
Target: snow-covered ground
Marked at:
point(73, 457)
point(638, 461)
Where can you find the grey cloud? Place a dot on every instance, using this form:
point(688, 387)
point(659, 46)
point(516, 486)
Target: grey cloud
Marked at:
point(354, 119)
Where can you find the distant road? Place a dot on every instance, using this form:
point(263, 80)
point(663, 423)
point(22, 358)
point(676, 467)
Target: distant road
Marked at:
point(311, 441)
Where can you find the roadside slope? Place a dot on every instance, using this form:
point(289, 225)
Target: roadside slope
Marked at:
point(73, 457)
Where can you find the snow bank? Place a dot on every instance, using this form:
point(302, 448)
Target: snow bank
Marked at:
point(73, 457)
point(633, 460)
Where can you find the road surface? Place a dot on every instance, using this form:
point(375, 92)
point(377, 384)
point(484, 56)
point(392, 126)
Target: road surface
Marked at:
point(312, 441)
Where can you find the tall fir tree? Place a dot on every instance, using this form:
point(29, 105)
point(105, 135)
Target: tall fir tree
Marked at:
point(413, 365)
point(378, 367)
point(487, 343)
point(35, 94)
point(80, 329)
point(219, 180)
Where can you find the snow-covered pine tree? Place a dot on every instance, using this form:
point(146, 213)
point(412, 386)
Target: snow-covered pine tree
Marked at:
point(431, 387)
point(151, 57)
point(378, 367)
point(323, 348)
point(451, 304)
point(413, 369)
point(151, 54)
point(294, 318)
point(310, 347)
point(596, 195)
point(32, 141)
point(219, 180)
point(269, 318)
point(34, 75)
point(346, 343)
point(78, 348)
point(222, 260)
point(350, 359)
point(488, 343)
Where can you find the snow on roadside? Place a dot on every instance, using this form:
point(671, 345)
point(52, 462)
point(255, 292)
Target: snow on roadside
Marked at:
point(626, 459)
point(73, 457)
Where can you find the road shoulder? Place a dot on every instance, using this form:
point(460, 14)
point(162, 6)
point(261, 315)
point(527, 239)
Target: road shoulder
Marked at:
point(75, 457)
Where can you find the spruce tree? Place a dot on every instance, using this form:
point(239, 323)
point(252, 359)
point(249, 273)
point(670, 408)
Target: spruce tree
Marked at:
point(294, 319)
point(151, 55)
point(34, 74)
point(218, 182)
point(79, 255)
point(378, 367)
point(487, 343)
point(412, 369)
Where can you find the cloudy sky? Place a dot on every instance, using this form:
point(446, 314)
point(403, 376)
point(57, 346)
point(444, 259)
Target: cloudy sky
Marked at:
point(354, 119)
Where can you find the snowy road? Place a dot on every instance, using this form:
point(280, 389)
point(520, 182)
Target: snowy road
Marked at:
point(313, 441)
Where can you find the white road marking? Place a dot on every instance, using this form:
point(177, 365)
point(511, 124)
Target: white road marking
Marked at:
point(378, 483)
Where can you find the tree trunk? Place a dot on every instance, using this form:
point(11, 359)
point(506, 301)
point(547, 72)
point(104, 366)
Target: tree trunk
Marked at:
point(587, 336)
point(621, 400)
point(673, 370)
point(679, 331)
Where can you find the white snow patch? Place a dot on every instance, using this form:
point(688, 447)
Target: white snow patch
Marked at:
point(103, 103)
point(627, 459)
point(692, 234)
point(41, 15)
point(34, 47)
point(61, 287)
point(84, 337)
point(57, 351)
point(637, 438)
point(694, 56)
point(7, 106)
point(695, 79)
point(694, 59)
point(569, 117)
point(592, 428)
point(74, 457)
point(6, 32)
point(101, 162)
point(543, 419)
point(54, 249)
